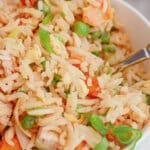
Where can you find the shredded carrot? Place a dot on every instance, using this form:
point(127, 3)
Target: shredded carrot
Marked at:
point(80, 146)
point(6, 146)
point(77, 57)
point(95, 89)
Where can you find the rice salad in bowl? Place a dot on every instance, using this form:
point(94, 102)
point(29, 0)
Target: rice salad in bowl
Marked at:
point(58, 86)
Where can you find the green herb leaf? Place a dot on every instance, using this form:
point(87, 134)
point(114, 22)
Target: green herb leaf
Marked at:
point(28, 122)
point(105, 38)
point(109, 48)
point(96, 34)
point(45, 40)
point(96, 53)
point(56, 79)
point(103, 145)
point(49, 17)
point(81, 28)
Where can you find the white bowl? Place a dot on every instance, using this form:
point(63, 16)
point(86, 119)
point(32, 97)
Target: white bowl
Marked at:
point(138, 29)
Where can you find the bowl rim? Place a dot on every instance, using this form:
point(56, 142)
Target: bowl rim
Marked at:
point(134, 10)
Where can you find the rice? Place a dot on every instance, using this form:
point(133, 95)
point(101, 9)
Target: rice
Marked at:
point(61, 88)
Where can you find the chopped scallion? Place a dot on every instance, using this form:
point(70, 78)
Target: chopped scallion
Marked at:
point(45, 40)
point(125, 134)
point(46, 8)
point(56, 79)
point(97, 123)
point(102, 145)
point(49, 17)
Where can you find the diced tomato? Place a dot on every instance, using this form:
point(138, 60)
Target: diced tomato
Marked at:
point(6, 146)
point(23, 2)
point(95, 89)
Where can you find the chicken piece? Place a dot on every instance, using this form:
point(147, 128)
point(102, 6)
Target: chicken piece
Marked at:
point(5, 113)
point(47, 140)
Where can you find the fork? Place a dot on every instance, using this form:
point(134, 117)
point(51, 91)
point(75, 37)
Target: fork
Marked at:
point(136, 58)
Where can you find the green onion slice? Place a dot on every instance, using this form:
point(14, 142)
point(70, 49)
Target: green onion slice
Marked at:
point(102, 145)
point(49, 17)
point(46, 8)
point(97, 123)
point(138, 136)
point(45, 40)
point(126, 135)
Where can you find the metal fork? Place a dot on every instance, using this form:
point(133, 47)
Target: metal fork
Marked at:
point(136, 58)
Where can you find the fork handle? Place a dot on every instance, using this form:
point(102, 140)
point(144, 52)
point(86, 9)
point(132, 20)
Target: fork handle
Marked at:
point(138, 57)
